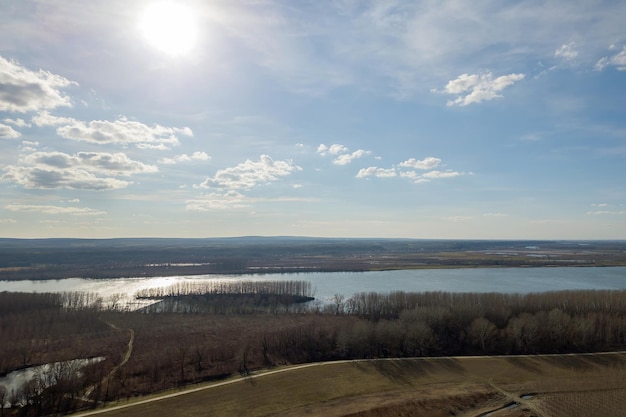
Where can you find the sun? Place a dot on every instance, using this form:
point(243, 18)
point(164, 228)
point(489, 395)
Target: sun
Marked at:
point(169, 27)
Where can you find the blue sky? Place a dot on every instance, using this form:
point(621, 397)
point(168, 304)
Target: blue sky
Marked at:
point(426, 119)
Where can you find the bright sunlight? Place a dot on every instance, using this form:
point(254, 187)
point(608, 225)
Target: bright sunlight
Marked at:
point(169, 27)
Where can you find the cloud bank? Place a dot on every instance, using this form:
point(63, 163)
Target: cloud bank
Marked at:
point(23, 90)
point(82, 171)
point(119, 132)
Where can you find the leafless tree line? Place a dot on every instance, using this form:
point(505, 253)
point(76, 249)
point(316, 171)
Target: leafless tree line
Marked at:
point(233, 297)
point(172, 349)
point(210, 287)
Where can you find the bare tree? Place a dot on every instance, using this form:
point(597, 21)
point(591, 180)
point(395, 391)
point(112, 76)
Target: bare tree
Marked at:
point(524, 332)
point(338, 303)
point(419, 339)
point(558, 329)
point(3, 397)
point(482, 333)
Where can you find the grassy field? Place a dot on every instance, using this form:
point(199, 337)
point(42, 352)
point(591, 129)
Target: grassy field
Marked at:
point(552, 385)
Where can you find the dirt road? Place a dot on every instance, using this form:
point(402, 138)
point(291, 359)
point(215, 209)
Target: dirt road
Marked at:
point(297, 367)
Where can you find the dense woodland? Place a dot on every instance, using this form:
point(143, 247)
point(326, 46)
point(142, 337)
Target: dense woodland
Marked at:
point(155, 349)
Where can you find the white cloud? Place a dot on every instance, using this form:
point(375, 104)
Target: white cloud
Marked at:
point(567, 51)
point(8, 221)
point(428, 176)
point(23, 90)
point(121, 131)
point(159, 147)
point(426, 163)
point(476, 88)
point(17, 122)
point(74, 211)
point(200, 156)
point(412, 163)
point(441, 174)
point(376, 172)
point(332, 150)
point(414, 176)
point(84, 170)
point(196, 156)
point(617, 60)
point(44, 118)
point(7, 132)
point(28, 146)
point(175, 160)
point(337, 149)
point(344, 157)
point(349, 157)
point(495, 215)
point(249, 174)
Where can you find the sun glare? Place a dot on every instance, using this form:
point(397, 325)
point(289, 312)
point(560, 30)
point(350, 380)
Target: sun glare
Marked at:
point(169, 27)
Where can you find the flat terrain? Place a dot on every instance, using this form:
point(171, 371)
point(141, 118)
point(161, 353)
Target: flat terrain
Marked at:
point(508, 386)
point(112, 258)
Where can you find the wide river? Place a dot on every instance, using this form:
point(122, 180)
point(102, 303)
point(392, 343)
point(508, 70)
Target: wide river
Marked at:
point(326, 284)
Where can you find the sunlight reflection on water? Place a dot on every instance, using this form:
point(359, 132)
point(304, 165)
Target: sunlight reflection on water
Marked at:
point(326, 284)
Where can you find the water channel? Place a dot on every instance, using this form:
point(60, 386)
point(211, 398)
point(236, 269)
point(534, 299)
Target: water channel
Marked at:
point(14, 381)
point(327, 284)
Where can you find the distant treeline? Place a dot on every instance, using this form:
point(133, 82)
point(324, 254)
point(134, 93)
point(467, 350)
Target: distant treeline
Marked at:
point(436, 323)
point(19, 302)
point(498, 306)
point(294, 288)
point(236, 297)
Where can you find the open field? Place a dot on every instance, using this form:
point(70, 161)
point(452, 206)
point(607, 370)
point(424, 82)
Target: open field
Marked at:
point(542, 385)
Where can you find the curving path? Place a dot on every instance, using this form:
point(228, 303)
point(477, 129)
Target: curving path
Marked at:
point(129, 352)
point(512, 397)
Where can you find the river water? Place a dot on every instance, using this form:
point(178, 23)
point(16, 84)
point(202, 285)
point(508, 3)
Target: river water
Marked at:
point(327, 284)
point(15, 380)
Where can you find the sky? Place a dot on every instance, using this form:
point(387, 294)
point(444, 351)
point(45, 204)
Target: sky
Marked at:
point(489, 119)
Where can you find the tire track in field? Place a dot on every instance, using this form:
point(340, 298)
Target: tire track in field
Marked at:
point(514, 399)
